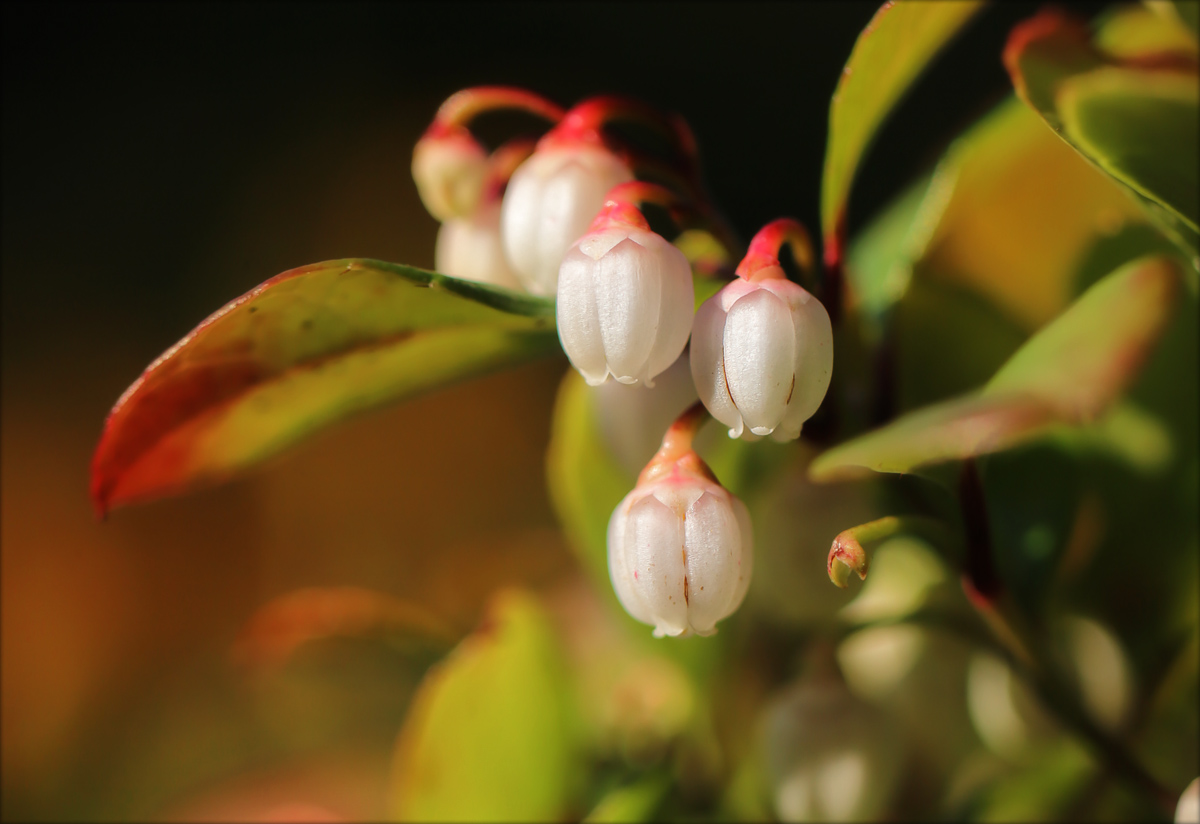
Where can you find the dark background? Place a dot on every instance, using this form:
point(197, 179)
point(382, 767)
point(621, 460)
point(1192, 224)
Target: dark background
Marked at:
point(159, 160)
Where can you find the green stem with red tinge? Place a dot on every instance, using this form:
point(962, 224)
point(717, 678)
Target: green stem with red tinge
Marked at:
point(847, 553)
point(834, 271)
point(1026, 651)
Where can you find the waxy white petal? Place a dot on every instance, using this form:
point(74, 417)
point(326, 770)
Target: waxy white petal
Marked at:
point(708, 364)
point(621, 565)
point(676, 309)
point(654, 541)
point(634, 316)
point(760, 358)
point(551, 200)
point(628, 294)
point(714, 551)
point(577, 317)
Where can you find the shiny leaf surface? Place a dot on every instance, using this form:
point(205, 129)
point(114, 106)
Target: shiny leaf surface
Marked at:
point(1067, 373)
point(1132, 113)
point(304, 350)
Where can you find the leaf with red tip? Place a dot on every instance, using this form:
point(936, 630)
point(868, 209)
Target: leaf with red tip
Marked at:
point(1068, 373)
point(1127, 100)
point(301, 351)
point(888, 56)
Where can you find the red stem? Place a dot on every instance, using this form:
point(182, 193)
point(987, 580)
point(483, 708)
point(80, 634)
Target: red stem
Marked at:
point(501, 165)
point(676, 452)
point(462, 107)
point(764, 248)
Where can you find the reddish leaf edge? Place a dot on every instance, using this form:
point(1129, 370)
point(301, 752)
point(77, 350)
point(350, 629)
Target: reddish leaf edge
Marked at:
point(103, 484)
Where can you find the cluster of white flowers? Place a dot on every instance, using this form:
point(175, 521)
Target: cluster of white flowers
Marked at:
point(561, 219)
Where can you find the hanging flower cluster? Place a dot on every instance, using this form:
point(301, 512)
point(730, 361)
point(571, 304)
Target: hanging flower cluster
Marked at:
point(563, 218)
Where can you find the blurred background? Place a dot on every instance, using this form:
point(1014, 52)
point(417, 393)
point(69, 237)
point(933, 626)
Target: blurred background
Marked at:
point(160, 160)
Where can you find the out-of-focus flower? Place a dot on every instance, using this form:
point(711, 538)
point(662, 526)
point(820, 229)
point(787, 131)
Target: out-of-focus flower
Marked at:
point(469, 248)
point(633, 418)
point(625, 299)
point(762, 347)
point(1188, 809)
point(680, 546)
point(551, 201)
point(830, 756)
point(449, 165)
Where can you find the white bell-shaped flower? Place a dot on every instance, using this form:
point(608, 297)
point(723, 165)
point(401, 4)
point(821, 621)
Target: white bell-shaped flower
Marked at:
point(680, 546)
point(469, 248)
point(625, 299)
point(551, 200)
point(449, 167)
point(762, 355)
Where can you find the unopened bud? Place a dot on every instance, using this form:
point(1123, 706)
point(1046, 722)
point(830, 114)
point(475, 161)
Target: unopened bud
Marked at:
point(449, 167)
point(551, 200)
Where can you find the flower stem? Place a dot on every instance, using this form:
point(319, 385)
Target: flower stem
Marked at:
point(463, 106)
point(676, 451)
point(502, 163)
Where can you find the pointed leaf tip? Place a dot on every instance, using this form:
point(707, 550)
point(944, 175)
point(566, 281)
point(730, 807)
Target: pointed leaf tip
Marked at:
point(303, 350)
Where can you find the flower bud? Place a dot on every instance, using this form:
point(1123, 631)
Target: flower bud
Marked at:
point(625, 299)
point(550, 202)
point(449, 168)
point(680, 546)
point(762, 355)
point(469, 248)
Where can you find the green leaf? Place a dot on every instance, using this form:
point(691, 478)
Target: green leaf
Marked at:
point(888, 56)
point(490, 736)
point(1132, 113)
point(880, 259)
point(304, 350)
point(584, 479)
point(1141, 128)
point(634, 802)
point(1009, 212)
point(1067, 373)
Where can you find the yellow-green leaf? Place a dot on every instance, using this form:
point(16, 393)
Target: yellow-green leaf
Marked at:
point(490, 735)
point(888, 56)
point(302, 351)
point(1068, 373)
point(1130, 109)
point(1141, 128)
